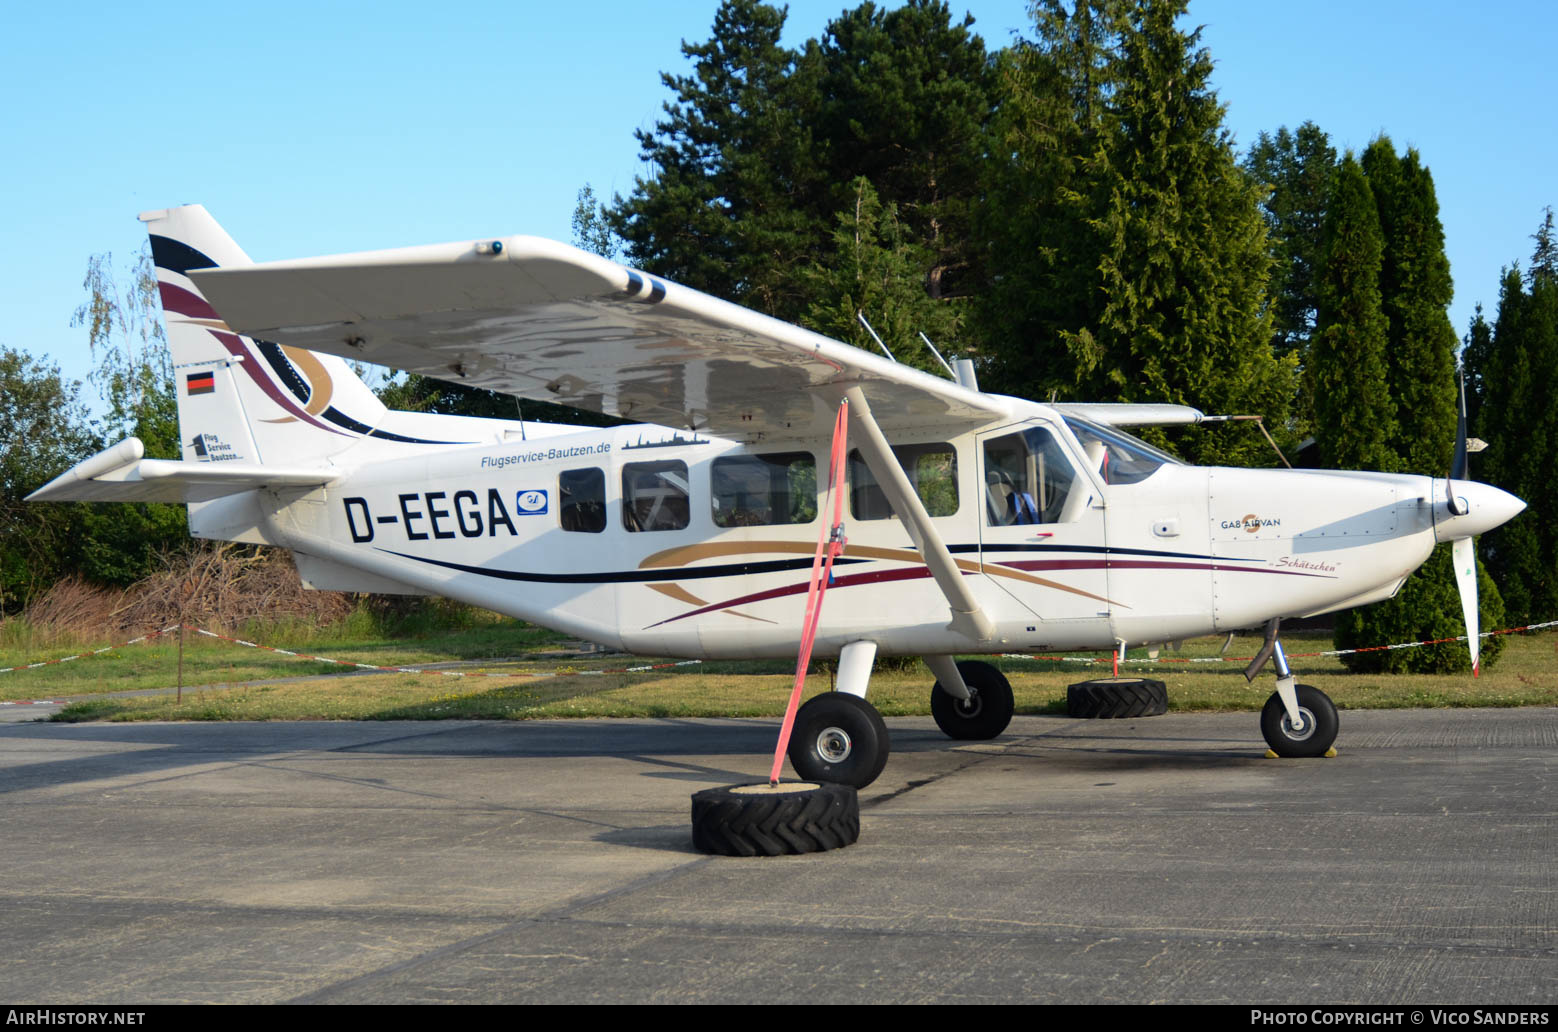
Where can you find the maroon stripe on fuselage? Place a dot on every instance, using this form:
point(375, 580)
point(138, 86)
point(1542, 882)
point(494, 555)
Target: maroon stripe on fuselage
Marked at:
point(920, 572)
point(1146, 564)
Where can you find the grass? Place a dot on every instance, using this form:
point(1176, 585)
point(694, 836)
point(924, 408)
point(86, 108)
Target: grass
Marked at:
point(535, 687)
point(208, 661)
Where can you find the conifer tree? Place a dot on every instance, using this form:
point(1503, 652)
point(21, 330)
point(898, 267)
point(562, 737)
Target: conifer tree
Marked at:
point(1415, 293)
point(1517, 418)
point(1418, 419)
point(1296, 166)
point(1143, 252)
point(757, 153)
point(904, 98)
point(718, 213)
point(1476, 352)
point(874, 268)
point(1544, 261)
point(1045, 191)
point(1354, 417)
point(1185, 262)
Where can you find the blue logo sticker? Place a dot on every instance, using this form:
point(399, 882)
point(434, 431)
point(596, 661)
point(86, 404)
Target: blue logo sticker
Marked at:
point(530, 503)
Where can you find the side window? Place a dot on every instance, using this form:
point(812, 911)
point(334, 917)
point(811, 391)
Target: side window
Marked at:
point(655, 496)
point(582, 505)
point(932, 469)
point(765, 490)
point(1028, 479)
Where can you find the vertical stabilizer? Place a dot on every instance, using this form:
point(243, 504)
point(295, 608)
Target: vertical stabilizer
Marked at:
point(240, 399)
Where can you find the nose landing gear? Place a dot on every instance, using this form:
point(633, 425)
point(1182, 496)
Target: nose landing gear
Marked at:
point(1298, 720)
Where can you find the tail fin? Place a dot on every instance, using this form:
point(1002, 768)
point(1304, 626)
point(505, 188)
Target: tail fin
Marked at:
point(241, 399)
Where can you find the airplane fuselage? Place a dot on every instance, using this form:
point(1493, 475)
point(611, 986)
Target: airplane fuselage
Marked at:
point(671, 543)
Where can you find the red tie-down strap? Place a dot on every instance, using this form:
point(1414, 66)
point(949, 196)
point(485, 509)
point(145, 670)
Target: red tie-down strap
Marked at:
point(830, 545)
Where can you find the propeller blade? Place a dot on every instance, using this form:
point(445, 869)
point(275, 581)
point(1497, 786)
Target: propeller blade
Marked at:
point(1459, 468)
point(1464, 555)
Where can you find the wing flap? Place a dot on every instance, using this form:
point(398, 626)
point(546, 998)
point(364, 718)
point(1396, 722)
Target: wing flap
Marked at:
point(538, 319)
point(120, 474)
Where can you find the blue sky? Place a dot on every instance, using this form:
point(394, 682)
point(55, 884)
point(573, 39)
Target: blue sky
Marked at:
point(324, 127)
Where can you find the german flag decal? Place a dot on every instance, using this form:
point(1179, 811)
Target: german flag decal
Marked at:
point(201, 383)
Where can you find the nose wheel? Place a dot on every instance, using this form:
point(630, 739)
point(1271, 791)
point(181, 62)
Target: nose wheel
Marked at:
point(1312, 734)
point(1298, 720)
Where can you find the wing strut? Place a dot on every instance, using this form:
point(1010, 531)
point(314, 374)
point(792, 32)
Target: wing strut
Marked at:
point(967, 617)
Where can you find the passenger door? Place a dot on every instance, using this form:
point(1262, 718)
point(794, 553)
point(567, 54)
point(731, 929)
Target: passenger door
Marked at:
point(1042, 528)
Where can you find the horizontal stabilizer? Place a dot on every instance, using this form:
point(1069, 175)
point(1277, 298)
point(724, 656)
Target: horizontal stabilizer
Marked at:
point(121, 474)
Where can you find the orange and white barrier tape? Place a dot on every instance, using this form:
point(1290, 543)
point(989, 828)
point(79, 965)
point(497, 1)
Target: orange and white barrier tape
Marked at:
point(1290, 655)
point(645, 667)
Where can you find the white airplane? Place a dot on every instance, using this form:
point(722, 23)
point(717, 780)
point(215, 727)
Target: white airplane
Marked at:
point(976, 523)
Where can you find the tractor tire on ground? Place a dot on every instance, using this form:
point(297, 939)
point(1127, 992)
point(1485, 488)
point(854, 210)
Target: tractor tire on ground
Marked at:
point(757, 820)
point(985, 715)
point(1114, 697)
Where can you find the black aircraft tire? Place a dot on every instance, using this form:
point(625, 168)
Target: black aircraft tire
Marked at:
point(985, 715)
point(1317, 738)
point(756, 820)
point(840, 738)
point(1116, 697)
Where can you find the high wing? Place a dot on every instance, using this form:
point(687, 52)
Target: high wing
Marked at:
point(120, 474)
point(542, 320)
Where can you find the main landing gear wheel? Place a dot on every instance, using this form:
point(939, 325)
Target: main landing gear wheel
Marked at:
point(839, 737)
point(981, 717)
point(759, 820)
point(1116, 697)
point(1320, 724)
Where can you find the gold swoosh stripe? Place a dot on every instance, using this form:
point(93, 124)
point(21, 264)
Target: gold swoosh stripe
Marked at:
point(681, 594)
point(319, 383)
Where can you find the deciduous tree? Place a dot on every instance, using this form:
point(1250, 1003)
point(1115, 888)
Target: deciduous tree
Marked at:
point(122, 315)
point(45, 429)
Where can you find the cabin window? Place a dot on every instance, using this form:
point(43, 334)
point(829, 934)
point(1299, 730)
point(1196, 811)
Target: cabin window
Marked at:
point(931, 468)
point(1029, 479)
point(765, 490)
point(582, 500)
point(1119, 457)
point(655, 496)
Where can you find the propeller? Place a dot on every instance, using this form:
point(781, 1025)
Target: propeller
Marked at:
point(1459, 466)
point(1463, 552)
point(1464, 555)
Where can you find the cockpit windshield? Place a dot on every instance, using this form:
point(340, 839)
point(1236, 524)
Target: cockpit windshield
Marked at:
point(1118, 457)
